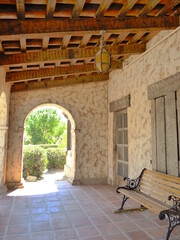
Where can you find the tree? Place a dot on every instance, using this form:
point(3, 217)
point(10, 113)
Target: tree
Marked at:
point(44, 126)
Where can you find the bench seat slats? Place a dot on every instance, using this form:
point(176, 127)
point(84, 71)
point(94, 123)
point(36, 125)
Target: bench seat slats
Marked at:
point(162, 181)
point(148, 202)
point(159, 189)
point(163, 176)
point(157, 195)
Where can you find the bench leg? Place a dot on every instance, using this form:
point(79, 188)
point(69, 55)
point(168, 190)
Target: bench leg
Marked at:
point(122, 204)
point(173, 220)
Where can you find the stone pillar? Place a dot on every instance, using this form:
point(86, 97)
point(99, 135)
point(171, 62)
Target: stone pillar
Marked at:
point(4, 122)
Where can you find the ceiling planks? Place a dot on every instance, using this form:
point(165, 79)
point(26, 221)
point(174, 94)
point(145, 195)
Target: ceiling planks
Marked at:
point(54, 72)
point(65, 54)
point(59, 82)
point(44, 42)
point(20, 6)
point(45, 27)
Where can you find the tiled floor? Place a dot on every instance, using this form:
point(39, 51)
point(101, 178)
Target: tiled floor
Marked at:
point(60, 211)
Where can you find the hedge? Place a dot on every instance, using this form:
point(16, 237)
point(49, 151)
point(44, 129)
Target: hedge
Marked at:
point(45, 146)
point(56, 157)
point(37, 158)
point(34, 161)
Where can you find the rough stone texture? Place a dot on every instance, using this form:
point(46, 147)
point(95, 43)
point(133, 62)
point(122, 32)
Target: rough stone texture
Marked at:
point(157, 63)
point(31, 179)
point(87, 103)
point(4, 120)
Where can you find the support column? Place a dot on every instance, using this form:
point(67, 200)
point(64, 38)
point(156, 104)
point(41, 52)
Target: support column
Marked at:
point(4, 122)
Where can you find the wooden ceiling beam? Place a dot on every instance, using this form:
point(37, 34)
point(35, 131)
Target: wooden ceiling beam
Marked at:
point(51, 5)
point(23, 43)
point(70, 26)
point(148, 7)
point(67, 54)
point(58, 82)
point(20, 6)
point(105, 4)
point(54, 72)
point(170, 5)
point(78, 7)
point(126, 7)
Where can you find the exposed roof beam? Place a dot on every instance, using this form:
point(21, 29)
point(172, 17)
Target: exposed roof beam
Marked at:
point(70, 26)
point(51, 5)
point(126, 7)
point(105, 4)
point(78, 7)
point(54, 72)
point(148, 7)
point(170, 5)
point(60, 82)
point(67, 54)
point(20, 6)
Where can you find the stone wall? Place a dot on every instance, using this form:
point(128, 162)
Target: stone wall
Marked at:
point(4, 122)
point(158, 62)
point(87, 103)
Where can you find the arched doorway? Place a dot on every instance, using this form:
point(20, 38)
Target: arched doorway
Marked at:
point(14, 172)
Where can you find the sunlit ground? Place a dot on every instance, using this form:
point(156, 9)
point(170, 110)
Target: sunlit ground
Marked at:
point(45, 186)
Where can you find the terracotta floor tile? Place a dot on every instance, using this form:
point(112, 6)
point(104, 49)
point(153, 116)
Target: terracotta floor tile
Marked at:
point(95, 238)
point(38, 210)
point(87, 231)
point(40, 227)
point(62, 223)
point(118, 217)
point(18, 229)
point(80, 221)
point(2, 230)
point(41, 236)
point(65, 234)
point(157, 232)
point(126, 226)
point(145, 223)
point(94, 212)
point(119, 236)
point(39, 218)
point(17, 237)
point(108, 229)
point(100, 220)
point(137, 235)
point(19, 220)
point(3, 221)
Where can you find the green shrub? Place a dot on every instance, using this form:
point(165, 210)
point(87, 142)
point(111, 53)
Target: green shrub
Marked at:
point(45, 146)
point(56, 157)
point(34, 161)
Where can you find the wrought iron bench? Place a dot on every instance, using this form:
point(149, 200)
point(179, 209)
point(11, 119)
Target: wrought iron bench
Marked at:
point(157, 192)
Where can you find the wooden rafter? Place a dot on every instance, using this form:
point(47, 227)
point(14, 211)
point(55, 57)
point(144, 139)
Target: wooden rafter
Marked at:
point(148, 7)
point(78, 8)
point(23, 43)
point(45, 43)
point(85, 39)
point(170, 5)
point(66, 40)
point(65, 26)
point(103, 8)
point(59, 82)
point(20, 6)
point(51, 5)
point(54, 72)
point(67, 54)
point(126, 7)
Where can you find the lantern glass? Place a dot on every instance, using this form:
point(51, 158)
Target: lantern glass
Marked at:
point(102, 60)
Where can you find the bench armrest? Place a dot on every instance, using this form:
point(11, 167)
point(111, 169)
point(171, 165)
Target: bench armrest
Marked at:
point(132, 184)
point(176, 202)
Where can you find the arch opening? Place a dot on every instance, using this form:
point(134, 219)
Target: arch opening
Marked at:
point(70, 165)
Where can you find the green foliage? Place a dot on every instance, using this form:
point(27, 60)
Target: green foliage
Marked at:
point(56, 157)
point(44, 126)
point(45, 146)
point(34, 161)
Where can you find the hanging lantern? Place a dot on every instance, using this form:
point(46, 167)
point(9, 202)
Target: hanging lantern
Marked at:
point(102, 59)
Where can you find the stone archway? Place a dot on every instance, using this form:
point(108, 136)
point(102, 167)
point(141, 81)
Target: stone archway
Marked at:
point(15, 160)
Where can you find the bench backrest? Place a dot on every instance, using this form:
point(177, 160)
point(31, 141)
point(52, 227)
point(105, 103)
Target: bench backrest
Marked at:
point(159, 186)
